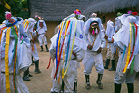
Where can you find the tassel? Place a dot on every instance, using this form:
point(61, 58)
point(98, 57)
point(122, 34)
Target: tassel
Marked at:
point(96, 31)
point(93, 32)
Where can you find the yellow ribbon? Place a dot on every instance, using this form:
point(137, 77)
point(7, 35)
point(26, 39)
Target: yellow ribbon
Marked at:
point(71, 48)
point(7, 61)
point(64, 50)
point(129, 50)
point(59, 39)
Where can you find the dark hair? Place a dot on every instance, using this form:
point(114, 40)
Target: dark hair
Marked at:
point(94, 22)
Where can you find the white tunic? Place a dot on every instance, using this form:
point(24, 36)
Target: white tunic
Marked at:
point(22, 52)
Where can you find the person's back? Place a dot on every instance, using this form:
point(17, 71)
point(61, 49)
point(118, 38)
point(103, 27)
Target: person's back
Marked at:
point(65, 50)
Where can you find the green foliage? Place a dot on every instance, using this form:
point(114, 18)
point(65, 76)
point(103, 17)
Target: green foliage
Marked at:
point(19, 8)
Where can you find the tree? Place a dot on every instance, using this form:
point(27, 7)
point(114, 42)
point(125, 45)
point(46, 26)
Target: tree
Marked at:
point(18, 8)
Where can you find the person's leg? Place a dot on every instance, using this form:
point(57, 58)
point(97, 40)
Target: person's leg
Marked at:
point(69, 78)
point(87, 72)
point(25, 75)
point(113, 62)
point(37, 70)
point(76, 78)
point(117, 88)
point(56, 86)
point(99, 68)
point(130, 80)
point(113, 66)
point(118, 81)
point(41, 42)
point(107, 63)
point(36, 60)
point(47, 48)
point(130, 87)
point(108, 59)
point(45, 42)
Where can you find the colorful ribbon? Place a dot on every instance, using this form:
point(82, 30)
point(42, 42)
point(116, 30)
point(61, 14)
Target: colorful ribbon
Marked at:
point(59, 57)
point(49, 63)
point(15, 33)
point(129, 50)
point(7, 61)
point(67, 52)
point(132, 64)
point(72, 47)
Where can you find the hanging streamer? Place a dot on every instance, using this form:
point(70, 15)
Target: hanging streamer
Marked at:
point(129, 50)
point(6, 60)
point(72, 47)
point(14, 32)
point(132, 64)
point(59, 57)
point(67, 50)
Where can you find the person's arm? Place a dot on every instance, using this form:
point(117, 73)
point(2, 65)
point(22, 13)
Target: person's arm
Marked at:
point(78, 53)
point(52, 52)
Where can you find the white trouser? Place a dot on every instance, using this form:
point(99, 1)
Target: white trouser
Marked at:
point(20, 85)
point(127, 77)
point(91, 60)
point(42, 39)
point(34, 53)
point(69, 79)
point(110, 55)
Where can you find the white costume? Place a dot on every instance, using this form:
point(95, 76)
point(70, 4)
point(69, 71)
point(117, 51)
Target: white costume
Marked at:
point(31, 35)
point(21, 53)
point(127, 39)
point(122, 39)
point(118, 23)
point(91, 57)
point(41, 32)
point(73, 15)
point(110, 46)
point(80, 17)
point(70, 75)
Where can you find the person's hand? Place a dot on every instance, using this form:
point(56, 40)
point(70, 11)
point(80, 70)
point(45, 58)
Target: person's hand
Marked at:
point(45, 34)
point(99, 50)
point(90, 47)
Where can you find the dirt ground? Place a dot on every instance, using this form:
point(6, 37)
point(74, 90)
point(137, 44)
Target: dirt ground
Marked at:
point(42, 83)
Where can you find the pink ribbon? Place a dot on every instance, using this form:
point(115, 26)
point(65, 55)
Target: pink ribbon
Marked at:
point(93, 32)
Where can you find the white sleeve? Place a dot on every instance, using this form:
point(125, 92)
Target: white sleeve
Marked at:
point(52, 52)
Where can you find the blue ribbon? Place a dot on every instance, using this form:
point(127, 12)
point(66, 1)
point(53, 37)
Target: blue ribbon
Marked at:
point(8, 25)
point(68, 43)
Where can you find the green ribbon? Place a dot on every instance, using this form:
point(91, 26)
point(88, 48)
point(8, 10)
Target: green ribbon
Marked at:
point(15, 46)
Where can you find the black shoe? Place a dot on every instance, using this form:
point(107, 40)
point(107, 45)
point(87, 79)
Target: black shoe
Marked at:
point(37, 71)
point(41, 50)
point(105, 67)
point(112, 69)
point(30, 75)
point(26, 79)
point(100, 85)
point(87, 86)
